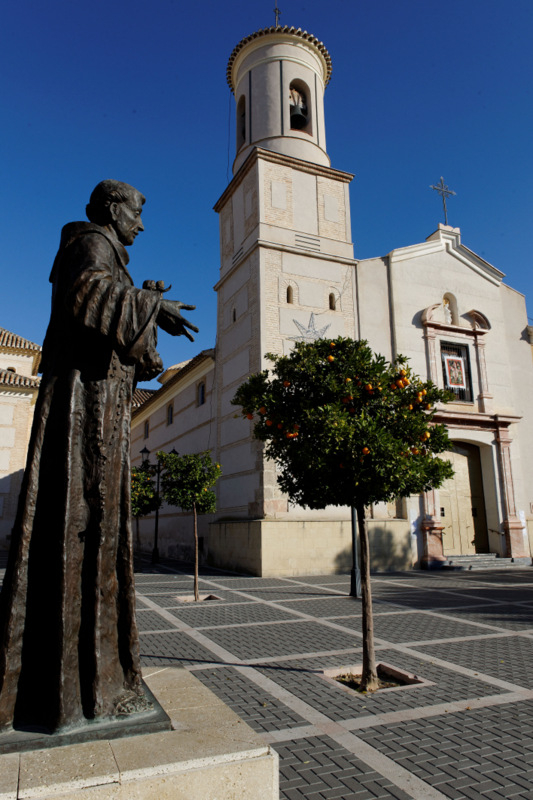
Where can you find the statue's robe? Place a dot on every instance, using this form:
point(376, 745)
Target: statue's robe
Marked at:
point(69, 649)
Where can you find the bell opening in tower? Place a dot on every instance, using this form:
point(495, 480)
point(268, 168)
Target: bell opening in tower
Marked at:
point(299, 108)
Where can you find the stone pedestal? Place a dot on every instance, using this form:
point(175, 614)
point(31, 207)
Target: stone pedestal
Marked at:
point(433, 550)
point(209, 753)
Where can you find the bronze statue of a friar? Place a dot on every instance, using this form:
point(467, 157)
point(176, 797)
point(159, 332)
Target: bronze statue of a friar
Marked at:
point(69, 649)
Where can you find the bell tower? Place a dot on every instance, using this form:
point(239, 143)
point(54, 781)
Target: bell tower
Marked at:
point(286, 268)
point(278, 76)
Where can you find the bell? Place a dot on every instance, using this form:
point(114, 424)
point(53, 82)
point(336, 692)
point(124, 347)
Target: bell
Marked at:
point(298, 117)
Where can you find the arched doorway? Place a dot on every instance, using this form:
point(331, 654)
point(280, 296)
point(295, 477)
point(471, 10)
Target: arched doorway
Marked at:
point(463, 504)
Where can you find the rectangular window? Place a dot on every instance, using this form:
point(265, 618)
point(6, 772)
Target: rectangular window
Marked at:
point(456, 370)
point(147, 429)
point(170, 415)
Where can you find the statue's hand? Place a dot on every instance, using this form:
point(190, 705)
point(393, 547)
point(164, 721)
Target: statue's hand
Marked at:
point(170, 319)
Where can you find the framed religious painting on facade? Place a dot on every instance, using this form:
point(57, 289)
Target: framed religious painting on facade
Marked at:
point(455, 372)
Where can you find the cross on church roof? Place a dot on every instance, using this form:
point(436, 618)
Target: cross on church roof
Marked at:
point(443, 190)
point(277, 12)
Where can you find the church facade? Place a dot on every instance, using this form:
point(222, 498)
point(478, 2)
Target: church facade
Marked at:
point(287, 274)
point(19, 384)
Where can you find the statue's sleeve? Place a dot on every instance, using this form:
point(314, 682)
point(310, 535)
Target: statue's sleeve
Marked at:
point(98, 300)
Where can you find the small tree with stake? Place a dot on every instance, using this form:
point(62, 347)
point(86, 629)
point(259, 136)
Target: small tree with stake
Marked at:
point(346, 427)
point(187, 482)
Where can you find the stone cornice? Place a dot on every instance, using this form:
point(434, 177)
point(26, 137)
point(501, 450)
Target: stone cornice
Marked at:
point(258, 153)
point(350, 262)
point(474, 420)
point(281, 34)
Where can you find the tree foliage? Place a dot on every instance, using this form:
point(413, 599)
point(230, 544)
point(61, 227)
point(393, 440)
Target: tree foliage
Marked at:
point(346, 427)
point(187, 481)
point(144, 499)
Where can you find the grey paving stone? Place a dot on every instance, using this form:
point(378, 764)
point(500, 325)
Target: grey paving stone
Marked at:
point(275, 640)
point(151, 621)
point(508, 658)
point(291, 592)
point(172, 649)
point(412, 626)
point(213, 613)
point(468, 773)
point(256, 707)
point(305, 758)
point(325, 607)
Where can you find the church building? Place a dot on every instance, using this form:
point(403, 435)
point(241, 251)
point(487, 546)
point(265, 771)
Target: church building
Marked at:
point(288, 274)
point(19, 385)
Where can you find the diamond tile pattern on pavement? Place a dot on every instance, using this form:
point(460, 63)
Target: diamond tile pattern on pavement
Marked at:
point(480, 631)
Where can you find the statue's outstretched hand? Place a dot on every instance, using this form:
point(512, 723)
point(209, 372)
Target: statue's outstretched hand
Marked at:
point(170, 319)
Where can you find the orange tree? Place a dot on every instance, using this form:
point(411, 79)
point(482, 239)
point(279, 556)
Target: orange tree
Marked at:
point(347, 428)
point(144, 499)
point(186, 482)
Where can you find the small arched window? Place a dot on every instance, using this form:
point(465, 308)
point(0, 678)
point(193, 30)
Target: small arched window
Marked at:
point(449, 306)
point(201, 393)
point(170, 414)
point(147, 429)
point(332, 302)
point(290, 294)
point(11, 369)
point(241, 122)
point(234, 315)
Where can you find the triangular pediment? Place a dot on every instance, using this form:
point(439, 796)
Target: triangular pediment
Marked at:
point(447, 239)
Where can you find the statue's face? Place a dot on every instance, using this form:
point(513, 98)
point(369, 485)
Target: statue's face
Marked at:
point(126, 219)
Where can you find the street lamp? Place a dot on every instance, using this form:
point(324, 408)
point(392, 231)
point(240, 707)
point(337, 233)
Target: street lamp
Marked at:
point(145, 454)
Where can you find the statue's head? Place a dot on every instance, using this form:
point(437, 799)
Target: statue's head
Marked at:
point(118, 206)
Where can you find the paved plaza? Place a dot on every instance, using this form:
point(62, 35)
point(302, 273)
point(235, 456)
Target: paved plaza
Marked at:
point(465, 732)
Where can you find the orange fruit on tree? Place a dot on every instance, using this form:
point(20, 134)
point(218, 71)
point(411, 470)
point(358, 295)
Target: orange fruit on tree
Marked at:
point(262, 410)
point(249, 416)
point(331, 358)
point(268, 422)
point(286, 383)
point(365, 451)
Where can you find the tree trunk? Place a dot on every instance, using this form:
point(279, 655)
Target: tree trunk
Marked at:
point(195, 517)
point(369, 678)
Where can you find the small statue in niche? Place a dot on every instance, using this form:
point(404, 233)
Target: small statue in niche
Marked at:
point(448, 319)
point(69, 649)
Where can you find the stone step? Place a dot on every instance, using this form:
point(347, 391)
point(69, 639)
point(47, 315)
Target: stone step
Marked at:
point(483, 561)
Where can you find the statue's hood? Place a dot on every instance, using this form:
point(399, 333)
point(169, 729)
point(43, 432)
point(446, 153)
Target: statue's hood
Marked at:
point(73, 230)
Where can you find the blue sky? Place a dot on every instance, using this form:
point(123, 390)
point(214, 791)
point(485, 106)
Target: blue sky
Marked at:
point(137, 91)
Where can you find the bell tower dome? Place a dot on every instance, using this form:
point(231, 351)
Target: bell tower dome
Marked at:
point(278, 76)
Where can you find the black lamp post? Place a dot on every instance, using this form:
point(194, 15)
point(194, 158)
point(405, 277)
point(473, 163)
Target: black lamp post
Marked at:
point(145, 453)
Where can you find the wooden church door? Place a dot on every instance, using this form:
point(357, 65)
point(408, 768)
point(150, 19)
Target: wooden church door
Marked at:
point(463, 504)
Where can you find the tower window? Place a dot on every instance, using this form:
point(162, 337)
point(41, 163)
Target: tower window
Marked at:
point(299, 107)
point(241, 122)
point(170, 414)
point(201, 393)
point(332, 302)
point(147, 429)
point(290, 294)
